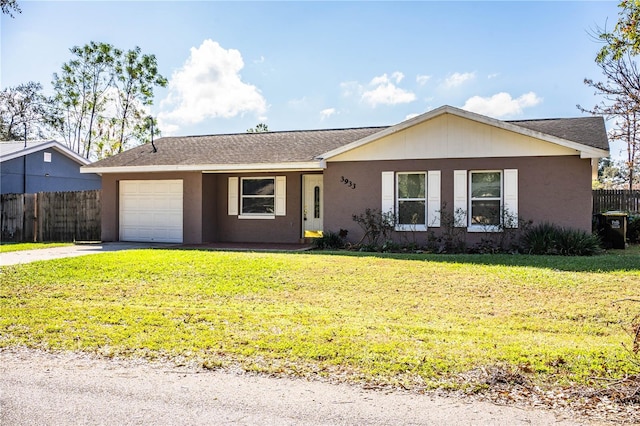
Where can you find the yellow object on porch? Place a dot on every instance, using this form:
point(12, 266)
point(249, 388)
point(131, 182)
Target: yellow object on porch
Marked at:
point(313, 234)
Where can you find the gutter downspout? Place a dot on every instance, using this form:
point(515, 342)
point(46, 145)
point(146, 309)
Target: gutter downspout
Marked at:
point(24, 184)
point(24, 163)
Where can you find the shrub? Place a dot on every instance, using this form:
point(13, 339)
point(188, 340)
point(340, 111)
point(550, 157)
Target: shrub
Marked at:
point(547, 238)
point(633, 229)
point(452, 238)
point(540, 239)
point(329, 241)
point(574, 242)
point(376, 225)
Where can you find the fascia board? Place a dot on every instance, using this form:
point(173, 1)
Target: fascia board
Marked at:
point(586, 151)
point(46, 145)
point(210, 168)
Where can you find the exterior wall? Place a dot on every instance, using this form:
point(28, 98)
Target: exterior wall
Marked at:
point(206, 216)
point(550, 189)
point(211, 199)
point(61, 174)
point(192, 200)
point(281, 229)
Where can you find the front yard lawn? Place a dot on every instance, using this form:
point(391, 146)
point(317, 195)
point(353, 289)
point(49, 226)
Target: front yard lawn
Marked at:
point(6, 247)
point(420, 321)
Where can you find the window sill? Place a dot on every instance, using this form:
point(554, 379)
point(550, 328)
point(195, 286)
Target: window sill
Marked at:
point(256, 216)
point(406, 228)
point(484, 228)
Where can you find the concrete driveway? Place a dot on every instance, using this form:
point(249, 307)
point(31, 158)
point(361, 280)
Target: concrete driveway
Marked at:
point(27, 256)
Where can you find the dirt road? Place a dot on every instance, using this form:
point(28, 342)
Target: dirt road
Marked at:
point(39, 388)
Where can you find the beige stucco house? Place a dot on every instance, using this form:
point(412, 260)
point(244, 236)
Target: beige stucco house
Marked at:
point(282, 186)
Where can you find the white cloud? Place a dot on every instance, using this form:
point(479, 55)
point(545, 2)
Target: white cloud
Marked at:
point(384, 79)
point(298, 103)
point(350, 88)
point(422, 79)
point(410, 116)
point(385, 92)
point(326, 113)
point(457, 79)
point(209, 85)
point(501, 104)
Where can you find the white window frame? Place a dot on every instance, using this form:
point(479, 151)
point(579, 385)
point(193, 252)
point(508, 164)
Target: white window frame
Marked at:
point(235, 197)
point(242, 196)
point(411, 227)
point(475, 227)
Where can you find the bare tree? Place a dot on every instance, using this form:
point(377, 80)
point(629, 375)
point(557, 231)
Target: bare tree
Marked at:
point(621, 88)
point(621, 103)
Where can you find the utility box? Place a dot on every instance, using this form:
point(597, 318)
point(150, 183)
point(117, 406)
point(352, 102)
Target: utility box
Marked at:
point(612, 229)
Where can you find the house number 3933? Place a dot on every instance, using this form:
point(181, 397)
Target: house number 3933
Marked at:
point(351, 184)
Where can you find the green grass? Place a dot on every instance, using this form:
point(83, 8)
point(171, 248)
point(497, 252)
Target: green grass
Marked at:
point(6, 247)
point(420, 320)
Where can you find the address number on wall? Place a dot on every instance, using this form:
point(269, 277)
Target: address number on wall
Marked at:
point(351, 184)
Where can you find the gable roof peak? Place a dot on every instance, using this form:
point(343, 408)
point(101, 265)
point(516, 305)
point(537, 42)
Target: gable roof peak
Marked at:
point(584, 134)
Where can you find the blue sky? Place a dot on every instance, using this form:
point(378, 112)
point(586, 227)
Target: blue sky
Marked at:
point(313, 65)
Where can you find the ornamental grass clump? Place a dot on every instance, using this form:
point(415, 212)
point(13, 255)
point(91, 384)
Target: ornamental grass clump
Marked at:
point(549, 239)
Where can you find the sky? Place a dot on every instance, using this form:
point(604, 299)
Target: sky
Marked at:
point(331, 64)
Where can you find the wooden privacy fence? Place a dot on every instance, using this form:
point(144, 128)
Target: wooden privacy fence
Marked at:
point(51, 216)
point(616, 200)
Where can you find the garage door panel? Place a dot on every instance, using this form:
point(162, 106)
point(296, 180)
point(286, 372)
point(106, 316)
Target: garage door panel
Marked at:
point(151, 211)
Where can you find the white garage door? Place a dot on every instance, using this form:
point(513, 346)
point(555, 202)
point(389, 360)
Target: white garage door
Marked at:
point(151, 210)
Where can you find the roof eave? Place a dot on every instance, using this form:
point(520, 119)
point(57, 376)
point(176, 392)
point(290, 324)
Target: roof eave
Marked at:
point(45, 145)
point(211, 168)
point(594, 153)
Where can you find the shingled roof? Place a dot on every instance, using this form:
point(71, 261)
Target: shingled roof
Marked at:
point(304, 148)
point(241, 148)
point(589, 131)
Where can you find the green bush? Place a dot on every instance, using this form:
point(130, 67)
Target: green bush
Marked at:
point(376, 225)
point(633, 229)
point(540, 239)
point(546, 238)
point(329, 241)
point(574, 242)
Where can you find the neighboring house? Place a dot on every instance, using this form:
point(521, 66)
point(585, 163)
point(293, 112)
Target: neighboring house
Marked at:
point(42, 166)
point(280, 186)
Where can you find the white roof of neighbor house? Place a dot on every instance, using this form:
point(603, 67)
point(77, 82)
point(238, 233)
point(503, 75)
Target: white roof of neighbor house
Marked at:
point(15, 149)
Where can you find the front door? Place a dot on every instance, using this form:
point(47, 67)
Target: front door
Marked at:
point(312, 206)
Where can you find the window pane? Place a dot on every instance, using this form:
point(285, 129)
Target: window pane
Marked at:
point(411, 185)
point(485, 185)
point(258, 187)
point(316, 202)
point(485, 212)
point(411, 213)
point(258, 205)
